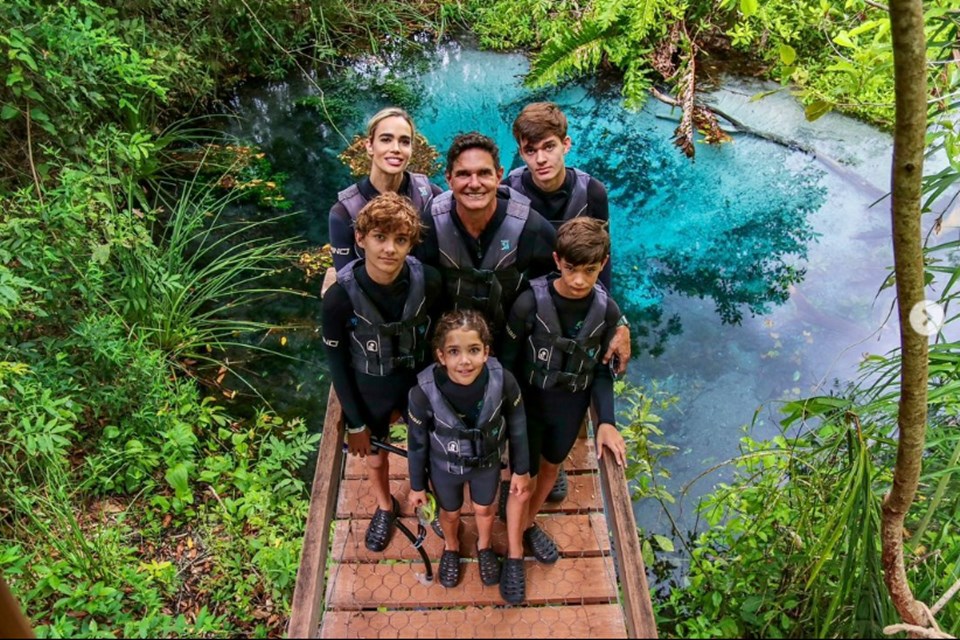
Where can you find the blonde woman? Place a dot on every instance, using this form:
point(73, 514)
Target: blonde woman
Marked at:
point(389, 143)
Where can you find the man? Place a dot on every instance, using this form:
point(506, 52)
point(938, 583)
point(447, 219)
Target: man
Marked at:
point(484, 237)
point(560, 193)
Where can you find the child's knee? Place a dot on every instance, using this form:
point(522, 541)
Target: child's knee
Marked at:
point(548, 468)
point(449, 516)
point(484, 511)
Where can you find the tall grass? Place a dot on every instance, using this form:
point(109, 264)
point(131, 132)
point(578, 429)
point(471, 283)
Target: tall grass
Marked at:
point(183, 294)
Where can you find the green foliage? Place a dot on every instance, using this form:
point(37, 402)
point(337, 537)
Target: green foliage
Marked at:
point(644, 439)
point(794, 545)
point(132, 506)
point(833, 55)
point(839, 55)
point(506, 24)
point(83, 575)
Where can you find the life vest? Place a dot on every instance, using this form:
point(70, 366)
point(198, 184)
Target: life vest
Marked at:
point(456, 448)
point(483, 288)
point(379, 348)
point(353, 200)
point(576, 203)
point(557, 362)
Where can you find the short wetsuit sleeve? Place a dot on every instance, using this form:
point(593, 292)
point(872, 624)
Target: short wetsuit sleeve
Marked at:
point(516, 424)
point(419, 420)
point(337, 313)
point(341, 236)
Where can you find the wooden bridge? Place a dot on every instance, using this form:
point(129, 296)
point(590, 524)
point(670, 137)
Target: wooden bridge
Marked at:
point(598, 588)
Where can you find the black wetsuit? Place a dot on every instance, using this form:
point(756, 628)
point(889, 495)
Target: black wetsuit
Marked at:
point(466, 401)
point(342, 241)
point(368, 399)
point(534, 250)
point(554, 416)
point(553, 205)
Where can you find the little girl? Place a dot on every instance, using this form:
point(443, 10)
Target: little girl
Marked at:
point(461, 412)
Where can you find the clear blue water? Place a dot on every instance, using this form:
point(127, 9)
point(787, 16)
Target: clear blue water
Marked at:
point(703, 250)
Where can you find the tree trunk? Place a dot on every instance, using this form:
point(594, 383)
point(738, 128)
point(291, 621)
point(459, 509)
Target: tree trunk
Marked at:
point(910, 77)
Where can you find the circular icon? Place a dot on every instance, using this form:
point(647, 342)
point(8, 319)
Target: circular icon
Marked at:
point(926, 317)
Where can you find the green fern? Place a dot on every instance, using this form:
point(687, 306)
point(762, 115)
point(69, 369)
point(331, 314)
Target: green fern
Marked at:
point(618, 31)
point(570, 55)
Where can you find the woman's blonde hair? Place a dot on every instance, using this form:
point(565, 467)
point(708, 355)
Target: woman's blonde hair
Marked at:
point(389, 112)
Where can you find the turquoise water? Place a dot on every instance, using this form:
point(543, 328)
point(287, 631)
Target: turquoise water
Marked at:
point(750, 273)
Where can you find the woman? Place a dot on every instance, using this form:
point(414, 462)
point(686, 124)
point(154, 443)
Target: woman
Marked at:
point(390, 139)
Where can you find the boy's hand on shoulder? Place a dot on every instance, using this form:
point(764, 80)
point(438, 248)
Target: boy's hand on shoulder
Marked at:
point(359, 443)
point(609, 437)
point(417, 499)
point(619, 347)
point(520, 484)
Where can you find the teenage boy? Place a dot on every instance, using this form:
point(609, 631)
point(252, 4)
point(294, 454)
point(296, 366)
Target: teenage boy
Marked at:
point(376, 322)
point(560, 193)
point(556, 333)
point(484, 237)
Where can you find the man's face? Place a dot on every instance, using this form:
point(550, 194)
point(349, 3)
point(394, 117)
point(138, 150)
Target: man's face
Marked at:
point(545, 159)
point(474, 180)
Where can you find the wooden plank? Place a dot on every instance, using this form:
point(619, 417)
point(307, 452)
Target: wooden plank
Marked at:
point(576, 535)
point(357, 499)
point(568, 581)
point(638, 610)
point(590, 621)
point(582, 459)
point(309, 589)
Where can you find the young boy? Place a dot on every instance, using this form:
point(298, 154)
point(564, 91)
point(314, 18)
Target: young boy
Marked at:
point(561, 193)
point(376, 322)
point(556, 333)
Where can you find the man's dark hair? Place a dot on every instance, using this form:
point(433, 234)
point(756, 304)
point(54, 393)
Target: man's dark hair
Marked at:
point(472, 140)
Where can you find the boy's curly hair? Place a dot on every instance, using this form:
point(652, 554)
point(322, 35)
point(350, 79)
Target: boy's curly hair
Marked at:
point(390, 213)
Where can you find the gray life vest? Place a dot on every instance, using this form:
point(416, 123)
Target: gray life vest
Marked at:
point(483, 288)
point(353, 201)
point(557, 362)
point(379, 348)
point(456, 448)
point(576, 203)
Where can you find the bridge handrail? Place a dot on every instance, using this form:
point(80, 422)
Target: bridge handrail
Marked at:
point(309, 590)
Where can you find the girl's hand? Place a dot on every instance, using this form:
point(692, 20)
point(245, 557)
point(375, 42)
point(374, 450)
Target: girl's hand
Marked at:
point(609, 437)
point(520, 485)
point(359, 443)
point(417, 499)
